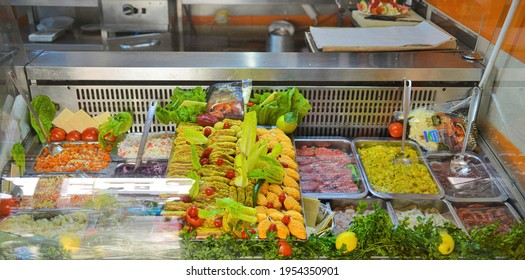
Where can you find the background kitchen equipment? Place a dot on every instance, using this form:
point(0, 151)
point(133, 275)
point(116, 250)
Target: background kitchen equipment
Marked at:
point(137, 25)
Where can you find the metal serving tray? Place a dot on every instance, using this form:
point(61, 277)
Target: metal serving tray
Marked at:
point(36, 150)
point(442, 207)
point(486, 208)
point(341, 203)
point(479, 186)
point(370, 142)
point(337, 143)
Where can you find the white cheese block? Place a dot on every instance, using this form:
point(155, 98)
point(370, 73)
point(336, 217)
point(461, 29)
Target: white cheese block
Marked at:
point(62, 120)
point(102, 118)
point(81, 120)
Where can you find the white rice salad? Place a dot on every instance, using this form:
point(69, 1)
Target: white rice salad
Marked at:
point(158, 146)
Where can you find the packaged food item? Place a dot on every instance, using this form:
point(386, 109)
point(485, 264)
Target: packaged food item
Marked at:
point(441, 126)
point(226, 100)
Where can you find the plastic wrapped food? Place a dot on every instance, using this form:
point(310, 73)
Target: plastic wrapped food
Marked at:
point(226, 100)
point(440, 127)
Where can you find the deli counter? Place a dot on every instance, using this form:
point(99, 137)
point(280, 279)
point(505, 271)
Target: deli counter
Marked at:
point(326, 202)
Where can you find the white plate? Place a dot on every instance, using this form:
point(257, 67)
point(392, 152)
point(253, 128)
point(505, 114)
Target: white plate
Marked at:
point(55, 24)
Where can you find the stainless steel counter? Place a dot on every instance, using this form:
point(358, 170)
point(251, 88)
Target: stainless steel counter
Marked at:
point(175, 66)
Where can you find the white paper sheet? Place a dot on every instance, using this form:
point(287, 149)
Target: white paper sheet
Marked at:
point(423, 34)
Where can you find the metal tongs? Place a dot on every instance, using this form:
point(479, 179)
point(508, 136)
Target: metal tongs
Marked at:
point(458, 165)
point(145, 132)
point(54, 148)
point(407, 92)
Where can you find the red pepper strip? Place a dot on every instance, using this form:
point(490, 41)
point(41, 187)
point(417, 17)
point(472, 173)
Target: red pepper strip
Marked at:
point(195, 222)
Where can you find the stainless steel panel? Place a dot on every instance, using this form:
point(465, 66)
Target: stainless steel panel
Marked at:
point(290, 67)
point(135, 15)
point(58, 3)
point(143, 42)
point(257, 2)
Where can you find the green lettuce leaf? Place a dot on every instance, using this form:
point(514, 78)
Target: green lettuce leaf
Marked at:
point(19, 155)
point(284, 102)
point(116, 125)
point(194, 190)
point(45, 110)
point(195, 137)
point(272, 171)
point(195, 159)
point(172, 112)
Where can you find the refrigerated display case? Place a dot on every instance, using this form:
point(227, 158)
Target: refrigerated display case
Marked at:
point(351, 94)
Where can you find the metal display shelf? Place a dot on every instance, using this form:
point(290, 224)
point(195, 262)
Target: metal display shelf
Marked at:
point(62, 3)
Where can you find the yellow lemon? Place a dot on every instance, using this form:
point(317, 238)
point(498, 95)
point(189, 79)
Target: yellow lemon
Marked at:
point(286, 127)
point(71, 242)
point(346, 238)
point(447, 244)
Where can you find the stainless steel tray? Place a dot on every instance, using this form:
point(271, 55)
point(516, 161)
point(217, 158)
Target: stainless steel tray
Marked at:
point(479, 186)
point(485, 207)
point(337, 143)
point(443, 208)
point(341, 203)
point(115, 152)
point(369, 142)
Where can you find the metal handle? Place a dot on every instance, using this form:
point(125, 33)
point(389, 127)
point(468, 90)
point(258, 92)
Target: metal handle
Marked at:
point(145, 132)
point(140, 45)
point(471, 117)
point(407, 92)
point(25, 95)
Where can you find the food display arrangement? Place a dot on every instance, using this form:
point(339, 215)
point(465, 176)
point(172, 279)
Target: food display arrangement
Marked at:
point(225, 185)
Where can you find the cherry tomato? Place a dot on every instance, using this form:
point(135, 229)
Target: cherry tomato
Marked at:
point(57, 134)
point(285, 249)
point(282, 197)
point(90, 134)
point(110, 138)
point(220, 161)
point(230, 174)
point(286, 219)
point(73, 136)
point(195, 222)
point(273, 227)
point(227, 125)
point(250, 104)
point(204, 161)
point(269, 204)
point(245, 234)
point(209, 191)
point(207, 131)
point(284, 164)
point(206, 153)
point(193, 211)
point(185, 198)
point(395, 129)
point(218, 222)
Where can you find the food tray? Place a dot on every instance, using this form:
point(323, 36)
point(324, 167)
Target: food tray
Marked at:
point(134, 139)
point(370, 142)
point(494, 211)
point(336, 143)
point(442, 207)
point(149, 169)
point(478, 186)
point(339, 224)
point(36, 150)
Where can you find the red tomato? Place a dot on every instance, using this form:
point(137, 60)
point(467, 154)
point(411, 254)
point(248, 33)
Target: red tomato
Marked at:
point(57, 134)
point(73, 136)
point(286, 219)
point(218, 222)
point(193, 211)
point(204, 161)
point(269, 204)
point(395, 129)
point(285, 249)
point(245, 234)
point(284, 164)
point(207, 131)
point(282, 197)
point(250, 104)
point(220, 161)
point(230, 174)
point(90, 134)
point(227, 125)
point(209, 191)
point(110, 138)
point(206, 153)
point(273, 227)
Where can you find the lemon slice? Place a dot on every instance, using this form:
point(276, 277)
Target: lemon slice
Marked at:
point(192, 103)
point(269, 99)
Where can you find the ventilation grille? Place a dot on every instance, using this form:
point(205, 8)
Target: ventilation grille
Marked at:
point(347, 112)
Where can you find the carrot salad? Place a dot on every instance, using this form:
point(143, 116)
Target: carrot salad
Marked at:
point(85, 157)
